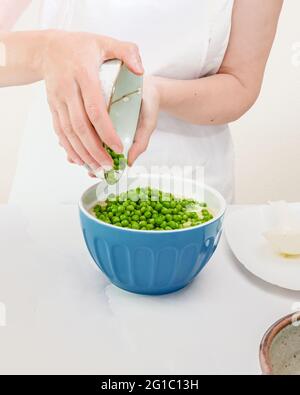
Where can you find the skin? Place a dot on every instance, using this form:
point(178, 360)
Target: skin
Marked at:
point(74, 93)
point(69, 64)
point(226, 96)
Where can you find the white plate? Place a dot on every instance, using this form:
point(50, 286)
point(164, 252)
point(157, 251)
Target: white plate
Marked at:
point(244, 228)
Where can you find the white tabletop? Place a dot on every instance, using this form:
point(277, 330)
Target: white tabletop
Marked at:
point(63, 316)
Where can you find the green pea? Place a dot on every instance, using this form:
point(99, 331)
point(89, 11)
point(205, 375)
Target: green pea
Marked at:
point(169, 217)
point(150, 209)
point(159, 220)
point(173, 225)
point(122, 164)
point(135, 225)
point(111, 197)
point(158, 207)
point(121, 209)
point(143, 197)
point(148, 214)
point(133, 196)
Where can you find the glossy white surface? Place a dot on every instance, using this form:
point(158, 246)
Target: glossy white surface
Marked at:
point(244, 231)
point(64, 317)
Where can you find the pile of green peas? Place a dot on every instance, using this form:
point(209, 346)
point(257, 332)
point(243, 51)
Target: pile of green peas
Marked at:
point(151, 209)
point(120, 164)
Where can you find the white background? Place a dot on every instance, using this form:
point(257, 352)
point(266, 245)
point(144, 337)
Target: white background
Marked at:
point(267, 139)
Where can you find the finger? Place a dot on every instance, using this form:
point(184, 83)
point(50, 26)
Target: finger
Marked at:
point(140, 144)
point(64, 142)
point(127, 52)
point(86, 133)
point(96, 109)
point(92, 175)
point(72, 137)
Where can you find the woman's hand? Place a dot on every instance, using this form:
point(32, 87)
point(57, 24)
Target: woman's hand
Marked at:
point(70, 67)
point(148, 119)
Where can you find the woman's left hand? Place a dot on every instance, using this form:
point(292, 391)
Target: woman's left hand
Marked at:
point(148, 119)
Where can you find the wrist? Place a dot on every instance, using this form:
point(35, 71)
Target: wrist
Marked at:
point(158, 84)
point(41, 45)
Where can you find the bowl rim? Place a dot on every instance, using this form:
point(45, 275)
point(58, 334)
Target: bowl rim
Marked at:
point(158, 232)
point(268, 338)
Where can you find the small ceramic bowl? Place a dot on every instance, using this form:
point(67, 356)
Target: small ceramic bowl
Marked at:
point(152, 262)
point(280, 347)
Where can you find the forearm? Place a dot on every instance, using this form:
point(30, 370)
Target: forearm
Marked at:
point(227, 95)
point(213, 100)
point(21, 57)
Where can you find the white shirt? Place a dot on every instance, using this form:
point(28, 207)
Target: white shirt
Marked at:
point(180, 39)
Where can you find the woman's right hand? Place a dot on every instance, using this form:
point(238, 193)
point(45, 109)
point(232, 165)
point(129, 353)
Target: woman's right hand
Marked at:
point(70, 67)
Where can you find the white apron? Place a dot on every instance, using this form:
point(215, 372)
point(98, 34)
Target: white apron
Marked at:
point(183, 39)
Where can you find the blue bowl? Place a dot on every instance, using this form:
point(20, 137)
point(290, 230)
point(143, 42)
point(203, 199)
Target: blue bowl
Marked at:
point(152, 262)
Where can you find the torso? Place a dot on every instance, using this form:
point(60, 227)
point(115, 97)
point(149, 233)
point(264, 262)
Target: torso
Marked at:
point(182, 39)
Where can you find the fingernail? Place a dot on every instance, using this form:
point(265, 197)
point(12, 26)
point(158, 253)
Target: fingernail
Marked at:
point(79, 162)
point(94, 167)
point(139, 65)
point(117, 148)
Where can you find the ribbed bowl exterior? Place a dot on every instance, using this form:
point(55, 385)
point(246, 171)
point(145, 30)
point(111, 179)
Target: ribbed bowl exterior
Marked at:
point(150, 263)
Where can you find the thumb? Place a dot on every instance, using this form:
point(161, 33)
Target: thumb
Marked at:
point(127, 52)
point(139, 146)
point(132, 58)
